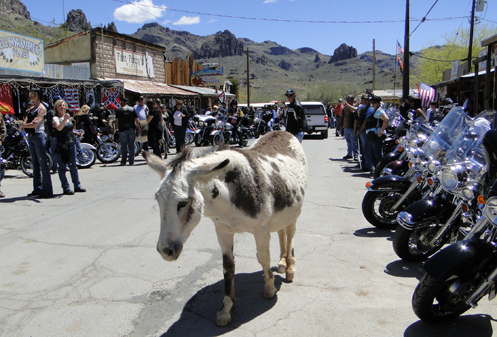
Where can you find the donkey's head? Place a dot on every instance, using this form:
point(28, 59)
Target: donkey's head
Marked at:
point(180, 202)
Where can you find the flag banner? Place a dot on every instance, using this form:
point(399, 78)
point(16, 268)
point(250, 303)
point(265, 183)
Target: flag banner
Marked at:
point(401, 66)
point(110, 98)
point(90, 99)
point(70, 95)
point(6, 100)
point(222, 97)
point(399, 48)
point(427, 94)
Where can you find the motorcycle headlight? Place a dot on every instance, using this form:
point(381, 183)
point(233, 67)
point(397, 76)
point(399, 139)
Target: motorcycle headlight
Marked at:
point(433, 166)
point(449, 179)
point(467, 193)
point(491, 210)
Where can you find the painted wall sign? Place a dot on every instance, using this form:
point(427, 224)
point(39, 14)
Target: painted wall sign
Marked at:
point(23, 53)
point(208, 77)
point(130, 63)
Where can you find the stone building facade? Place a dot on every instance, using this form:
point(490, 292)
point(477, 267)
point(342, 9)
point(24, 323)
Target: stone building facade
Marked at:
point(110, 55)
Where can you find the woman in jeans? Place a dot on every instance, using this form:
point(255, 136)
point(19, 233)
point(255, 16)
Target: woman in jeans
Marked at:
point(33, 124)
point(65, 152)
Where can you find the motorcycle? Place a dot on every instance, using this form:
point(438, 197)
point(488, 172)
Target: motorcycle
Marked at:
point(390, 194)
point(460, 275)
point(108, 151)
point(222, 131)
point(15, 150)
point(425, 226)
point(205, 127)
point(85, 153)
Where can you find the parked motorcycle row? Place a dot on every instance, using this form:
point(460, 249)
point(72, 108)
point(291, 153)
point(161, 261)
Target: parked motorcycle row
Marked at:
point(438, 190)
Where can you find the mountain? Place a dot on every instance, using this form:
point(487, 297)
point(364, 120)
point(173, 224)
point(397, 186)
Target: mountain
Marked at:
point(275, 68)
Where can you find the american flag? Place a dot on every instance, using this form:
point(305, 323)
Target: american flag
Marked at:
point(70, 95)
point(427, 94)
point(399, 48)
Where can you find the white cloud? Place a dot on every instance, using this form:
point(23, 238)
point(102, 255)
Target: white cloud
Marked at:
point(139, 12)
point(269, 1)
point(212, 21)
point(187, 20)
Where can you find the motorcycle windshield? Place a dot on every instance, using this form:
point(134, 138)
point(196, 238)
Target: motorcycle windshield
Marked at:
point(452, 128)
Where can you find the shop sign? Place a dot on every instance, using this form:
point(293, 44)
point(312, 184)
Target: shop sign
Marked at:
point(131, 63)
point(22, 53)
point(208, 77)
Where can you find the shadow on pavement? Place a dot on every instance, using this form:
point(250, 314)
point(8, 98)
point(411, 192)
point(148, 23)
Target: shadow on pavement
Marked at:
point(402, 268)
point(199, 314)
point(11, 200)
point(469, 325)
point(373, 232)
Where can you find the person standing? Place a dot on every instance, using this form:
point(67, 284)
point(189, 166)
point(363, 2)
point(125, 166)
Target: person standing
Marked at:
point(296, 120)
point(65, 152)
point(363, 112)
point(338, 117)
point(3, 134)
point(180, 124)
point(380, 119)
point(155, 130)
point(34, 125)
point(141, 110)
point(347, 124)
point(127, 122)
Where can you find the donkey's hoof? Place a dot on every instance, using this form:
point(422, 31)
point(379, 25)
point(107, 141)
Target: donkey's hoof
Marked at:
point(269, 291)
point(281, 268)
point(223, 319)
point(290, 274)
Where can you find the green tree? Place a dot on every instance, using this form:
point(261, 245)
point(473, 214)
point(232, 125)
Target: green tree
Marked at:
point(435, 60)
point(235, 88)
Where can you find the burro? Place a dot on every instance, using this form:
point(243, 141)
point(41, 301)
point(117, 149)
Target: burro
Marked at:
point(259, 190)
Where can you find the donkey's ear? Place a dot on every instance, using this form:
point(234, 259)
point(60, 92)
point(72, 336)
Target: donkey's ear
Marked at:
point(209, 171)
point(156, 164)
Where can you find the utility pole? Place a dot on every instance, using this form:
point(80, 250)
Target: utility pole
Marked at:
point(374, 65)
point(248, 79)
point(405, 77)
point(471, 32)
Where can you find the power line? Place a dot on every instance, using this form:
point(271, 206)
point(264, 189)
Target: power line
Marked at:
point(282, 20)
point(424, 18)
point(427, 58)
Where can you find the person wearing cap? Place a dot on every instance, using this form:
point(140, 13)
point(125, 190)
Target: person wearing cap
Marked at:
point(180, 123)
point(380, 121)
point(406, 106)
point(296, 120)
point(127, 122)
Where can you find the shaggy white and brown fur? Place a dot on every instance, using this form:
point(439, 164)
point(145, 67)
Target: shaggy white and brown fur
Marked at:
point(259, 190)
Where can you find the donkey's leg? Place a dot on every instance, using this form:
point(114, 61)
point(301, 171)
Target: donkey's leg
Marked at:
point(226, 243)
point(283, 251)
point(264, 258)
point(290, 258)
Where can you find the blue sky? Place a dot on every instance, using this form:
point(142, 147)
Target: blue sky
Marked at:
point(324, 37)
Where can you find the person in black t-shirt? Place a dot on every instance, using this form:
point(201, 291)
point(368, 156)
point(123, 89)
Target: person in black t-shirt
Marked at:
point(155, 130)
point(127, 121)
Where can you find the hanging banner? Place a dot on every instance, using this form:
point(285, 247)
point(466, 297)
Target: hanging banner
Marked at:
point(23, 53)
point(70, 95)
point(110, 98)
point(6, 101)
point(129, 63)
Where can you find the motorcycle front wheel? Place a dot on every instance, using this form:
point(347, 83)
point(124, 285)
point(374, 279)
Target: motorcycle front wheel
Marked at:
point(108, 152)
point(437, 300)
point(86, 158)
point(410, 245)
point(189, 138)
point(376, 207)
point(27, 164)
point(216, 140)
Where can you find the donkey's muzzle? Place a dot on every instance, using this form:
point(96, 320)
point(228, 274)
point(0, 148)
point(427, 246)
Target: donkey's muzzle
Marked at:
point(170, 252)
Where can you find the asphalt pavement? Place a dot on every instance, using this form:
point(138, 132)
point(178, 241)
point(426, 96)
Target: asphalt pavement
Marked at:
point(86, 265)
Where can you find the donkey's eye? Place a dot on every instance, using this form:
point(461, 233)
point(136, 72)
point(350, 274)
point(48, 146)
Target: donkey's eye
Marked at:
point(182, 204)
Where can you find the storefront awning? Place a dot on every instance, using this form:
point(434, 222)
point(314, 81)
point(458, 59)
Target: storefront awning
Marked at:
point(154, 88)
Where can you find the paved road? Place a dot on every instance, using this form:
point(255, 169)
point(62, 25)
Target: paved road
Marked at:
point(86, 265)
